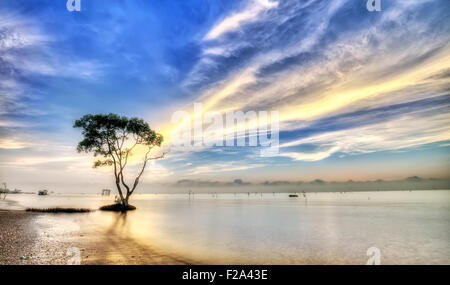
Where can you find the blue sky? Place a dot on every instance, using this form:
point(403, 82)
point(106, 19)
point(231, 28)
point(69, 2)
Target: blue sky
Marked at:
point(361, 95)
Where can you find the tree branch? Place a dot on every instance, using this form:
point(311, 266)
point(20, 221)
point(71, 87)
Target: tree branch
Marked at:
point(146, 159)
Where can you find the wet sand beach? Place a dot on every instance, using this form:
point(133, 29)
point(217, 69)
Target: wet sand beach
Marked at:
point(17, 236)
point(42, 238)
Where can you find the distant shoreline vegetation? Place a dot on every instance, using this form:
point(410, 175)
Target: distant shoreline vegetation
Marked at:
point(59, 210)
point(319, 185)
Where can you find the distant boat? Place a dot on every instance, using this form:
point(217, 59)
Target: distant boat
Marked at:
point(293, 195)
point(43, 192)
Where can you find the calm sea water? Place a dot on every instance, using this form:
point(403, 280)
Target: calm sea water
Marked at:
point(323, 228)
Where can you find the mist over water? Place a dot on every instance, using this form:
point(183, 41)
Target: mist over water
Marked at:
point(272, 228)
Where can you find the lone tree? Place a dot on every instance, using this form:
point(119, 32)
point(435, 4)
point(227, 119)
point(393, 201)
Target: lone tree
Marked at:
point(113, 138)
point(4, 191)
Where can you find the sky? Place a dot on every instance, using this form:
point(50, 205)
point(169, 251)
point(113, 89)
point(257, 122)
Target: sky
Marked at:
point(360, 95)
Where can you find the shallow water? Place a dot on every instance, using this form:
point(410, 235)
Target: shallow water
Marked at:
point(323, 228)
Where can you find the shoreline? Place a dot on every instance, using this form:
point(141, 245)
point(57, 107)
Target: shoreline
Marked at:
point(29, 238)
point(244, 193)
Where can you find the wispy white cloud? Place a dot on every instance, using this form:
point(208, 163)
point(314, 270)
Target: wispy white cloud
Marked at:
point(156, 172)
point(26, 49)
point(36, 161)
point(12, 143)
point(312, 156)
point(252, 12)
point(407, 131)
point(18, 33)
